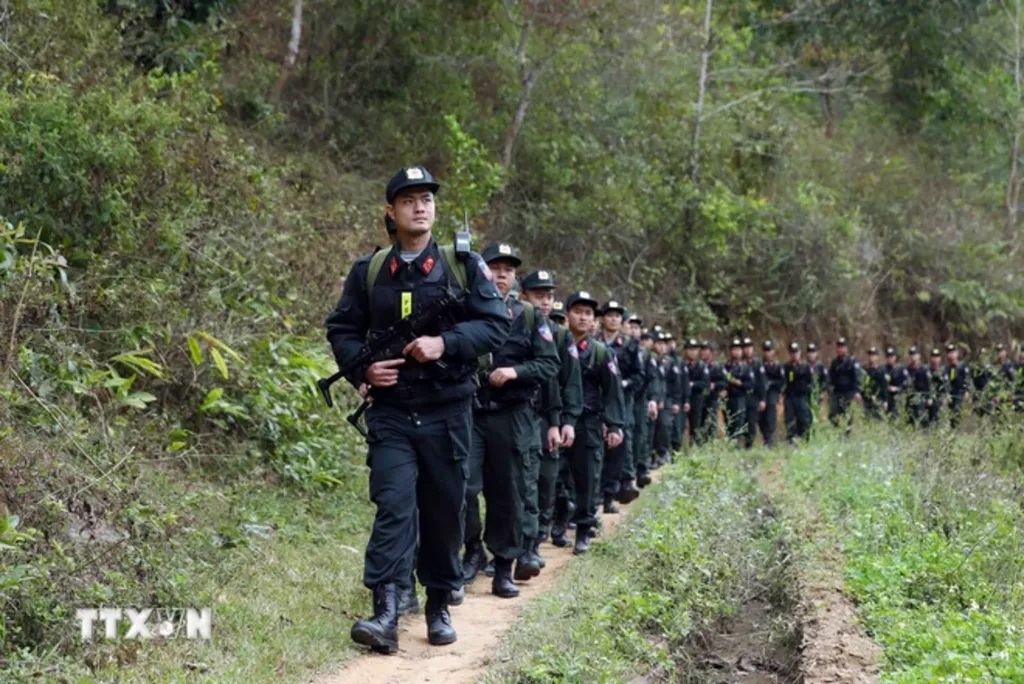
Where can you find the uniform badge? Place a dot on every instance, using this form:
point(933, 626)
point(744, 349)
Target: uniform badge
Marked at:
point(545, 333)
point(613, 367)
point(543, 275)
point(504, 249)
point(413, 173)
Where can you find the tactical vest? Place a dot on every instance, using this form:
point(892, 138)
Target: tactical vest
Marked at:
point(392, 299)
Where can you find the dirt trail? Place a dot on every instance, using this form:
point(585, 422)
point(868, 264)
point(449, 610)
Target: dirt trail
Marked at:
point(834, 648)
point(481, 621)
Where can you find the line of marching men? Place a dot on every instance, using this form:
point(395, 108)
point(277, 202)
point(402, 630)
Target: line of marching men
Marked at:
point(582, 403)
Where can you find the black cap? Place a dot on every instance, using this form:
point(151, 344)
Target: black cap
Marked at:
point(890, 351)
point(501, 251)
point(1000, 347)
point(645, 334)
point(936, 352)
point(704, 344)
point(691, 343)
point(768, 345)
point(794, 346)
point(581, 297)
point(812, 347)
point(538, 280)
point(612, 305)
point(747, 342)
point(557, 312)
point(950, 347)
point(634, 318)
point(872, 351)
point(712, 345)
point(736, 343)
point(913, 350)
point(411, 177)
point(841, 342)
point(657, 329)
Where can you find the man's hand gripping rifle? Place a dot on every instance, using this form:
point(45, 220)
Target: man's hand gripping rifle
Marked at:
point(389, 343)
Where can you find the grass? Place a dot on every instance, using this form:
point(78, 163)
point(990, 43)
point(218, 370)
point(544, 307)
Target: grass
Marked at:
point(680, 563)
point(283, 594)
point(930, 527)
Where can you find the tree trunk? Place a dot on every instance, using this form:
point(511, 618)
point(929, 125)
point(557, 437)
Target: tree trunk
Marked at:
point(1013, 182)
point(293, 53)
point(529, 74)
point(690, 215)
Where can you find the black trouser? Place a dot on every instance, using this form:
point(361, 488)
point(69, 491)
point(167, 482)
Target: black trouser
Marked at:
point(695, 419)
point(917, 411)
point(751, 431)
point(678, 421)
point(663, 432)
point(799, 417)
point(502, 440)
point(641, 440)
point(893, 410)
point(768, 420)
point(583, 460)
point(872, 408)
point(736, 418)
point(839, 407)
point(614, 467)
point(418, 461)
point(956, 404)
point(547, 483)
point(710, 420)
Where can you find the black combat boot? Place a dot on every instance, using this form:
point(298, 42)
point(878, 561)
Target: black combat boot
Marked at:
point(408, 604)
point(628, 492)
point(457, 596)
point(502, 585)
point(381, 631)
point(582, 544)
point(439, 621)
point(536, 553)
point(643, 480)
point(609, 506)
point(489, 568)
point(559, 530)
point(473, 561)
point(526, 565)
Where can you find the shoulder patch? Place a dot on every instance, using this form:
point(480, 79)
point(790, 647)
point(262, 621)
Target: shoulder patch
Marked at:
point(574, 352)
point(545, 333)
point(485, 270)
point(612, 366)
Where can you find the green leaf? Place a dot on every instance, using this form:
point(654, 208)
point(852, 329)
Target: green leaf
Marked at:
point(194, 350)
point(177, 446)
point(218, 361)
point(212, 397)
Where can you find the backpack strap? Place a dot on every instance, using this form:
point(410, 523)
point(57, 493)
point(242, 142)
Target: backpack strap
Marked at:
point(530, 314)
point(376, 263)
point(454, 265)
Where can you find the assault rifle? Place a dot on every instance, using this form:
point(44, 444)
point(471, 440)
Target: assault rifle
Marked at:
point(389, 343)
